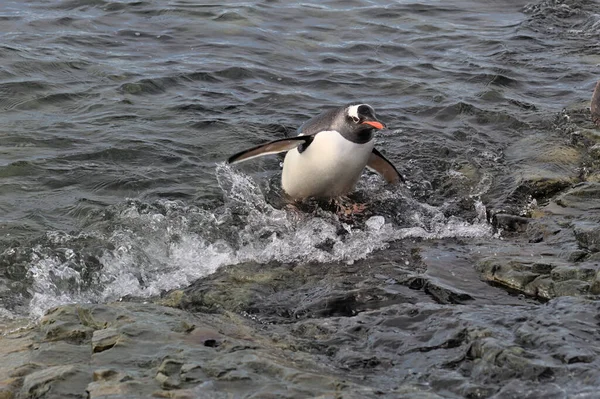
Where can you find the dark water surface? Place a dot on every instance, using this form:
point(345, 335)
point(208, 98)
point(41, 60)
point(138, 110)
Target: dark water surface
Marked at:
point(116, 117)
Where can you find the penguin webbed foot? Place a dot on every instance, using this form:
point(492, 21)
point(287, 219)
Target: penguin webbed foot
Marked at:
point(346, 208)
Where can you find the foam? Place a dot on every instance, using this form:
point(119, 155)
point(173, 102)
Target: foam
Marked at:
point(151, 248)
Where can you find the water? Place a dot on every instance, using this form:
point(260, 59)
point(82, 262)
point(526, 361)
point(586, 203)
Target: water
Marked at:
point(117, 116)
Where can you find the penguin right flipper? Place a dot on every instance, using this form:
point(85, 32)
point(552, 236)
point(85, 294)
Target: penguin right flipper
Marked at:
point(273, 147)
point(380, 165)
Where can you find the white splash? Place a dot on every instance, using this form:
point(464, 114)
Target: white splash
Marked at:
point(150, 248)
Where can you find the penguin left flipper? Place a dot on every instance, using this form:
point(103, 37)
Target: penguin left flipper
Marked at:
point(273, 147)
point(378, 164)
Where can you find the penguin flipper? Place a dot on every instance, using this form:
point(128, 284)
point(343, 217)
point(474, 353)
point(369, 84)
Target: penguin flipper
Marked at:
point(273, 147)
point(378, 164)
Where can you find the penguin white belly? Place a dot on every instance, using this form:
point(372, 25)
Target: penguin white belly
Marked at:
point(329, 167)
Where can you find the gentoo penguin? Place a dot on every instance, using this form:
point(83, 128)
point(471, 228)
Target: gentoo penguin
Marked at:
point(327, 157)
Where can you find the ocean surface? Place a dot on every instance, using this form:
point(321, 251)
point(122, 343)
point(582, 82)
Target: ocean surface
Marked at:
point(117, 116)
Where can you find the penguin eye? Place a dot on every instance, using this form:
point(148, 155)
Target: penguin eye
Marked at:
point(355, 119)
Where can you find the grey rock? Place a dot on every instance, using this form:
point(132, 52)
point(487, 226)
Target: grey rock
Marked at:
point(50, 382)
point(516, 272)
point(60, 352)
point(595, 285)
point(168, 373)
point(511, 223)
point(554, 277)
point(595, 149)
point(581, 199)
point(192, 372)
point(595, 105)
point(586, 272)
point(104, 339)
point(110, 375)
point(588, 235)
point(105, 390)
point(157, 358)
point(385, 352)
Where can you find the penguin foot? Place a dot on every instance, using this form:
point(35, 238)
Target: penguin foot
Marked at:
point(346, 209)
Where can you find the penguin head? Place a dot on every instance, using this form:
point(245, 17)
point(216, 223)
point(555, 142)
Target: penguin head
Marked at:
point(362, 116)
point(359, 122)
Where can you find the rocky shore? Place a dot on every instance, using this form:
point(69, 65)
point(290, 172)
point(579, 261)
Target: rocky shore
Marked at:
point(513, 317)
point(404, 346)
point(552, 248)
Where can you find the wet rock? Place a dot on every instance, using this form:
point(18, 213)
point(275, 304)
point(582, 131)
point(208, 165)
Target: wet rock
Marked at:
point(539, 168)
point(158, 357)
point(595, 285)
point(458, 344)
point(300, 291)
point(570, 272)
point(233, 288)
point(525, 187)
point(111, 382)
point(25, 369)
point(542, 230)
point(39, 383)
point(106, 375)
point(561, 259)
point(522, 390)
point(202, 391)
point(595, 151)
point(542, 185)
point(128, 389)
point(571, 288)
point(396, 350)
point(104, 339)
point(192, 372)
point(55, 353)
point(445, 294)
point(595, 105)
point(172, 299)
point(543, 279)
point(513, 272)
point(580, 200)
point(202, 335)
point(62, 324)
point(510, 223)
point(588, 235)
point(168, 373)
point(576, 255)
point(8, 388)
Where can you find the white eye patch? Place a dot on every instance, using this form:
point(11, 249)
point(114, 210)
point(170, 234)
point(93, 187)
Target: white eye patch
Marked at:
point(353, 111)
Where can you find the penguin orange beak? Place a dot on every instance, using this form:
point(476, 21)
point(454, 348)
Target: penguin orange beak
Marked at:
point(375, 124)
